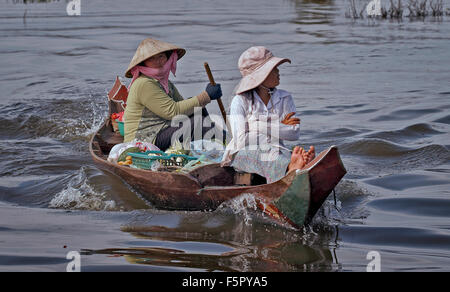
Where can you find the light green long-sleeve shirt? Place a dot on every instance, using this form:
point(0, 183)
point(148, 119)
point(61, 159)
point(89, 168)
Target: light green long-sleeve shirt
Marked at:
point(150, 109)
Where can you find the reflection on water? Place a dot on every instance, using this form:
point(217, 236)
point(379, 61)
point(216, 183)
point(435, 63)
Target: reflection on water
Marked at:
point(225, 243)
point(313, 12)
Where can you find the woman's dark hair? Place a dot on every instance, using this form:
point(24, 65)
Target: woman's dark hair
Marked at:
point(168, 54)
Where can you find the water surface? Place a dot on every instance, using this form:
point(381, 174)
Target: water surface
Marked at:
point(378, 89)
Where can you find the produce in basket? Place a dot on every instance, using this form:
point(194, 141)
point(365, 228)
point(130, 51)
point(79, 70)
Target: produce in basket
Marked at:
point(126, 153)
point(127, 161)
point(177, 148)
point(118, 149)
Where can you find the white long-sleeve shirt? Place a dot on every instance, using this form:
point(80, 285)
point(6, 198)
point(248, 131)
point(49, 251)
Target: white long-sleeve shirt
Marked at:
point(255, 124)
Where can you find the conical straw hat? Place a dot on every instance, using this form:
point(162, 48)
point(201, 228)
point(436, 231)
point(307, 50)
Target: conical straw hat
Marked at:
point(148, 48)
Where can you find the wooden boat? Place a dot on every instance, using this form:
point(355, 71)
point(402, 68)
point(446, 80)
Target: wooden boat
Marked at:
point(294, 199)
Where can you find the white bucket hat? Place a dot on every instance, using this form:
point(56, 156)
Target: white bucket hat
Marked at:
point(255, 64)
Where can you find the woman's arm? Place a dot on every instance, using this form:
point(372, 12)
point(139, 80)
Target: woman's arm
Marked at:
point(289, 132)
point(155, 99)
point(237, 121)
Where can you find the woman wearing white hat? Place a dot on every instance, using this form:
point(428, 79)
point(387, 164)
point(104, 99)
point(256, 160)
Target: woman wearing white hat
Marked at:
point(261, 118)
point(153, 101)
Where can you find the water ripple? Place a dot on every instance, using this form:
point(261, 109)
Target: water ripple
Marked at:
point(430, 207)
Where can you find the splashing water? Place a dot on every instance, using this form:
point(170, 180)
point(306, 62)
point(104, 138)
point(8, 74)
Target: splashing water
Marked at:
point(86, 126)
point(347, 209)
point(79, 195)
point(242, 205)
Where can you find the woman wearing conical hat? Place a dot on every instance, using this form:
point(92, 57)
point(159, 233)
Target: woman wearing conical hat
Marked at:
point(262, 117)
point(153, 101)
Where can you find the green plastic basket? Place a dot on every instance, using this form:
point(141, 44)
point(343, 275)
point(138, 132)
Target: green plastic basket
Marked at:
point(121, 127)
point(142, 160)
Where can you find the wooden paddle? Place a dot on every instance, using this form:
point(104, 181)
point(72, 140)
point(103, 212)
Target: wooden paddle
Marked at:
point(219, 101)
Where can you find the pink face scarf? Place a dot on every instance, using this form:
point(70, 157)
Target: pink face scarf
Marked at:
point(160, 74)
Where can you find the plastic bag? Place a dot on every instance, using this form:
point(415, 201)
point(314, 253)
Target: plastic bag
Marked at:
point(201, 161)
point(177, 148)
point(211, 151)
point(117, 150)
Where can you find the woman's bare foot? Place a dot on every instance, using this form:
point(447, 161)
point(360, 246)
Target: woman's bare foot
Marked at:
point(311, 154)
point(297, 159)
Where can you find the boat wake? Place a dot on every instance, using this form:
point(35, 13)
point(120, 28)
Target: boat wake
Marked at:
point(79, 195)
point(347, 206)
point(55, 119)
point(369, 157)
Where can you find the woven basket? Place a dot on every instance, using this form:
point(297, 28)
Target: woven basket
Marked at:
point(144, 161)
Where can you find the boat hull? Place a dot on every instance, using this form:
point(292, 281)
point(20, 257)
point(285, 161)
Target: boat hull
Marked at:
point(295, 198)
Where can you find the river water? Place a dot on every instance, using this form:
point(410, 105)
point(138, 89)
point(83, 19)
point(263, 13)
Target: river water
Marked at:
point(378, 89)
